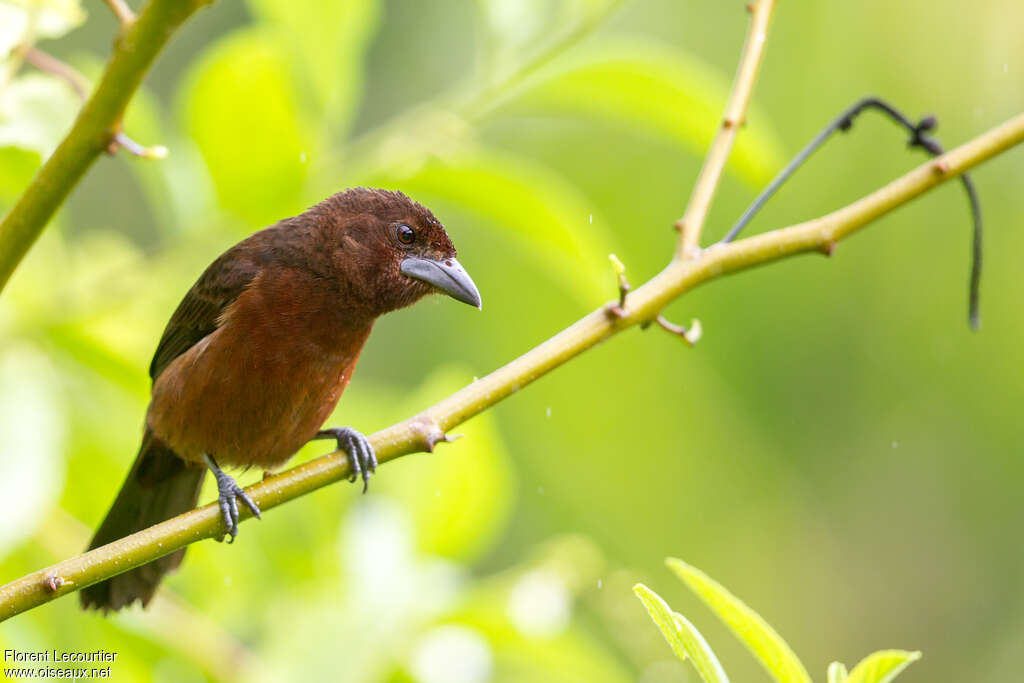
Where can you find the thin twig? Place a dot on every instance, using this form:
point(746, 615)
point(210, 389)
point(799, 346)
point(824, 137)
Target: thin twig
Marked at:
point(691, 335)
point(692, 222)
point(80, 84)
point(50, 64)
point(125, 15)
point(918, 138)
point(645, 303)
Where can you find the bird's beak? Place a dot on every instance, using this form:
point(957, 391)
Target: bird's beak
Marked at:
point(447, 275)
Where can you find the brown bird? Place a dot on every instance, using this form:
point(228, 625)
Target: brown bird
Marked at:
point(258, 353)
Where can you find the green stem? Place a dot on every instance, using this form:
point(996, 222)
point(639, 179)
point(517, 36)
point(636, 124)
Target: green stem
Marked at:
point(422, 431)
point(135, 48)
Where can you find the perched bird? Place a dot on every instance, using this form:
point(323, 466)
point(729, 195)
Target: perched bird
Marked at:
point(258, 353)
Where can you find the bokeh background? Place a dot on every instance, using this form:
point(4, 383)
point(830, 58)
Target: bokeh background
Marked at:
point(839, 450)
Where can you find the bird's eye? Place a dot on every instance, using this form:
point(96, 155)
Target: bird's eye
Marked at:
point(405, 234)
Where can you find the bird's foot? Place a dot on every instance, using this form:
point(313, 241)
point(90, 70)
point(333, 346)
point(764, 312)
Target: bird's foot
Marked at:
point(361, 457)
point(228, 495)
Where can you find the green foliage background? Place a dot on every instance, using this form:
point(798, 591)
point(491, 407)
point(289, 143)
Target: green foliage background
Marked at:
point(838, 449)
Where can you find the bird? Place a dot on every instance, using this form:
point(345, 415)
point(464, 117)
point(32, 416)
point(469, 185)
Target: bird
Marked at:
point(257, 354)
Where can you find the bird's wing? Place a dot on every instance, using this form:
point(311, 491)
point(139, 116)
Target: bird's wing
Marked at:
point(198, 313)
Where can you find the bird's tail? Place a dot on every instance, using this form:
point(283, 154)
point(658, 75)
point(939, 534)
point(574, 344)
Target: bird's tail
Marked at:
point(160, 486)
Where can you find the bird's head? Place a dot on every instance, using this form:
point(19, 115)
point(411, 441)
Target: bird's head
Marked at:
point(391, 250)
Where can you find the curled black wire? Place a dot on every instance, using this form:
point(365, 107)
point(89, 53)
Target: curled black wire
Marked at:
point(919, 137)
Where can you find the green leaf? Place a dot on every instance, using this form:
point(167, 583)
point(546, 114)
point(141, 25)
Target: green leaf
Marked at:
point(882, 666)
point(703, 658)
point(241, 108)
point(658, 91)
point(837, 673)
point(684, 638)
point(534, 206)
point(760, 638)
point(663, 618)
point(32, 420)
point(36, 111)
point(325, 43)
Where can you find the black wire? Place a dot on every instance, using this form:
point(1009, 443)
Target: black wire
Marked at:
point(918, 138)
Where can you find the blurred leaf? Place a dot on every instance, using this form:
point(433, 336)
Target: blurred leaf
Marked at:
point(882, 666)
point(523, 28)
point(13, 26)
point(538, 209)
point(458, 498)
point(36, 111)
point(240, 105)
point(28, 20)
point(568, 653)
point(514, 23)
point(327, 42)
point(659, 91)
point(17, 167)
point(760, 638)
point(31, 454)
point(837, 673)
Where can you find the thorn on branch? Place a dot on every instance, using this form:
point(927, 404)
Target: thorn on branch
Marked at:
point(431, 434)
point(691, 335)
point(619, 310)
point(829, 248)
point(52, 582)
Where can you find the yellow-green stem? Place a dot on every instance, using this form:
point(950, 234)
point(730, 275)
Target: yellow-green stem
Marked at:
point(692, 222)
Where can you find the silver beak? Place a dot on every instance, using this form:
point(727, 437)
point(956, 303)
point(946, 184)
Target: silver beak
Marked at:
point(447, 275)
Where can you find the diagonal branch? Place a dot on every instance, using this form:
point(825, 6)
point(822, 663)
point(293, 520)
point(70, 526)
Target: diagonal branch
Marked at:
point(422, 431)
point(135, 48)
point(692, 222)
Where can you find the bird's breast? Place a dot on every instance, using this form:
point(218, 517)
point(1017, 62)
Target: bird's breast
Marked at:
point(258, 388)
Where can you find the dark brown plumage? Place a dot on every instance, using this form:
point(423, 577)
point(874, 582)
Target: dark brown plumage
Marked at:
point(259, 351)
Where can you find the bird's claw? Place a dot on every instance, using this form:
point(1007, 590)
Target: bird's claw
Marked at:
point(361, 456)
point(229, 493)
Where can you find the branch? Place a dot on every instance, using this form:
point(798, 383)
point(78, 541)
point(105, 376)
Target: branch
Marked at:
point(135, 48)
point(692, 222)
point(422, 431)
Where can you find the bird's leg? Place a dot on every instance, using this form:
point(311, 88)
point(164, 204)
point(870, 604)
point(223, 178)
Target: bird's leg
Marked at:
point(228, 493)
point(360, 452)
